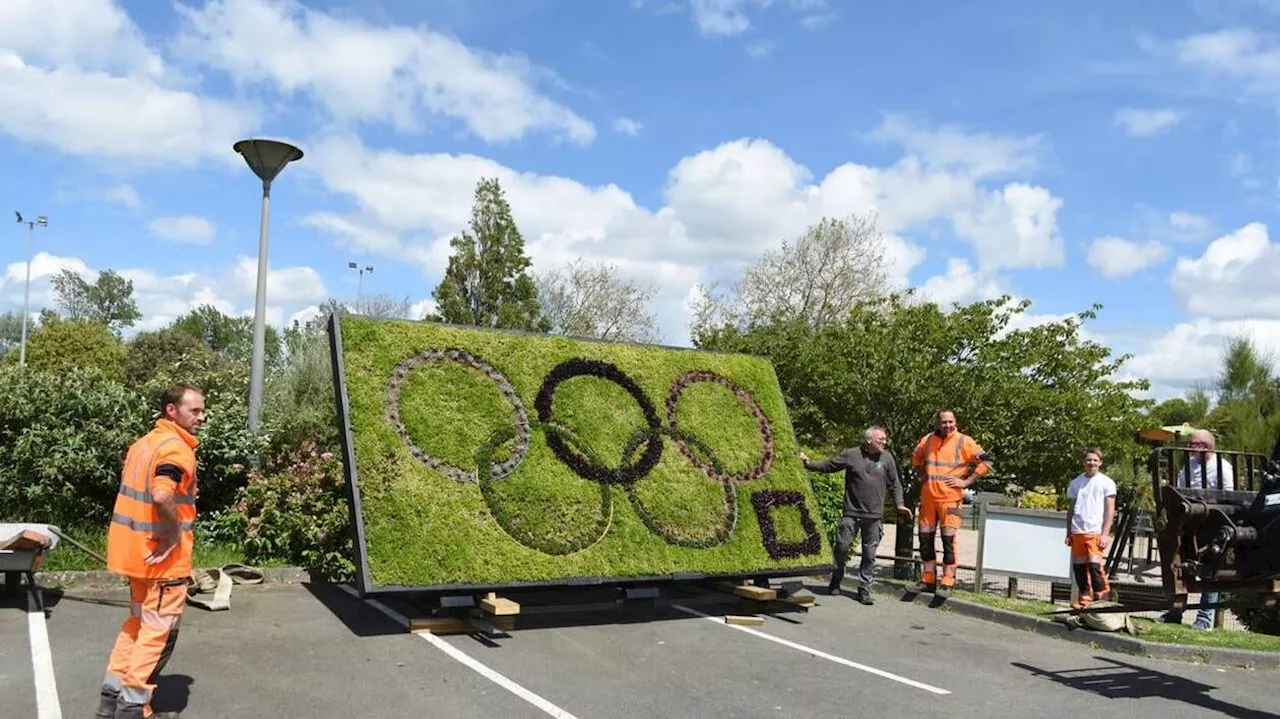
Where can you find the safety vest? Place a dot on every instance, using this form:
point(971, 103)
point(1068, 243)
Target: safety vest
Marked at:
point(135, 521)
point(955, 456)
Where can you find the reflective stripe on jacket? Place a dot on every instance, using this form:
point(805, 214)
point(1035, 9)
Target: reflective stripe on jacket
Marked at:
point(938, 458)
point(135, 520)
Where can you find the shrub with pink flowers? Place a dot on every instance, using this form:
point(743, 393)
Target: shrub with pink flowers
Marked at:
point(295, 509)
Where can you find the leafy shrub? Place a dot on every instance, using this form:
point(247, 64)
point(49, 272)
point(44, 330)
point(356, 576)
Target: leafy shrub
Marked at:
point(169, 353)
point(1249, 610)
point(295, 509)
point(63, 437)
point(1039, 500)
point(66, 345)
point(828, 494)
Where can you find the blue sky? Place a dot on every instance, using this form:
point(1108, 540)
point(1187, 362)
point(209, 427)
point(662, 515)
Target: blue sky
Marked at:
point(1119, 153)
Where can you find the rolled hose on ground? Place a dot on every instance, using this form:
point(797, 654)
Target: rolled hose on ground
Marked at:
point(218, 581)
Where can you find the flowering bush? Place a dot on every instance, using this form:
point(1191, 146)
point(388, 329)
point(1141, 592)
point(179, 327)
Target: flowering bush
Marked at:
point(295, 509)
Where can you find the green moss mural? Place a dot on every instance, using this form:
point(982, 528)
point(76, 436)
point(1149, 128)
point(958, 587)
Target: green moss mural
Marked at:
point(487, 459)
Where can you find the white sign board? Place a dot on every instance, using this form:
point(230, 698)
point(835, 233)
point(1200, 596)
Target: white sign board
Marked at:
point(1025, 543)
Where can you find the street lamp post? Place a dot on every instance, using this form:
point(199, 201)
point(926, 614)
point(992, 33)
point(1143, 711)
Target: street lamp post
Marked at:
point(26, 297)
point(360, 279)
point(267, 158)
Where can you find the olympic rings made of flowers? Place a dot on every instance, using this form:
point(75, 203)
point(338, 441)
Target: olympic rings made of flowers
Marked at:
point(730, 498)
point(484, 460)
point(766, 429)
point(520, 417)
point(582, 466)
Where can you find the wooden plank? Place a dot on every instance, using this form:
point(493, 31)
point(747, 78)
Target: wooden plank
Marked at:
point(499, 606)
point(748, 591)
point(803, 600)
point(440, 625)
point(750, 621)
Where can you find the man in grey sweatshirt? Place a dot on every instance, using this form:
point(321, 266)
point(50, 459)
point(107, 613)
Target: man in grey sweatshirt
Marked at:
point(869, 470)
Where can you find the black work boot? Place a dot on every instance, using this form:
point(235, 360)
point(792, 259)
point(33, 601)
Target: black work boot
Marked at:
point(107, 704)
point(864, 596)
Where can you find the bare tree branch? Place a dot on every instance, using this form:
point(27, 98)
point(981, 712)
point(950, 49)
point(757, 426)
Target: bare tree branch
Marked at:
point(833, 266)
point(592, 299)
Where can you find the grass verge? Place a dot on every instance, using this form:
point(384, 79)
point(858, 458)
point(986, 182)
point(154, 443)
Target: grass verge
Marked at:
point(1148, 630)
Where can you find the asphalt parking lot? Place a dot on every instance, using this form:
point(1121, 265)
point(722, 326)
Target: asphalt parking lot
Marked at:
point(299, 650)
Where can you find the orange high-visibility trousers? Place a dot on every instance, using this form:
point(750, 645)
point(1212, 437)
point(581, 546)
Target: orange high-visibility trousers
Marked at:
point(1086, 560)
point(146, 639)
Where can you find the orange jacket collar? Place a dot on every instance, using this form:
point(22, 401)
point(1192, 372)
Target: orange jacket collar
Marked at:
point(169, 425)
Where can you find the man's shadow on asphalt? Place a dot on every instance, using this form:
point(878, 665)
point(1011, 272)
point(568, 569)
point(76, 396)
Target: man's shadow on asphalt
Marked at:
point(1121, 680)
point(173, 693)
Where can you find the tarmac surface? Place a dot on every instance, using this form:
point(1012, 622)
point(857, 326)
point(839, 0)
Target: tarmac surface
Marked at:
point(300, 650)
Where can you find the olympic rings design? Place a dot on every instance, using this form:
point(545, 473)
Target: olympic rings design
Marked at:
point(484, 459)
point(400, 375)
point(579, 456)
point(585, 468)
point(766, 430)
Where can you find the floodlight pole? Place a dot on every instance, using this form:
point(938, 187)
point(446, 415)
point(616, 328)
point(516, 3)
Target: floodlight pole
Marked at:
point(267, 158)
point(360, 279)
point(26, 297)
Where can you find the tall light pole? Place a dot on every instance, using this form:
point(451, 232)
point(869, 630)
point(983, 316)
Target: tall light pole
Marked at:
point(26, 298)
point(267, 158)
point(360, 279)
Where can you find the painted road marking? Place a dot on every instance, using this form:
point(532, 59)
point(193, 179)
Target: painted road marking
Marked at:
point(818, 653)
point(47, 704)
point(479, 667)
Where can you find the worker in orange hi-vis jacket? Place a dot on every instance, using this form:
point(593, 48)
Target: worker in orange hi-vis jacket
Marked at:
point(947, 461)
point(150, 540)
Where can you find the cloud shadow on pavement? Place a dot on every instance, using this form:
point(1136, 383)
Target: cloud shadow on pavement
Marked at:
point(1121, 680)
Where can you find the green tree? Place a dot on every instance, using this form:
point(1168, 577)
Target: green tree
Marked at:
point(1034, 397)
point(65, 345)
point(178, 356)
point(11, 330)
point(230, 337)
point(108, 300)
point(1246, 417)
point(487, 283)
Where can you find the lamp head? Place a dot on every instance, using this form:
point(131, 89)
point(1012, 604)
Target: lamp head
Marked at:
point(267, 158)
point(42, 221)
point(351, 265)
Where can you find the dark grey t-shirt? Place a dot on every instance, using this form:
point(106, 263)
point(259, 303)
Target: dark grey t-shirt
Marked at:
point(865, 480)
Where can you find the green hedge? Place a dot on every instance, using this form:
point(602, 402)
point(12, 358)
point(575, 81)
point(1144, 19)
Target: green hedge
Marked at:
point(458, 486)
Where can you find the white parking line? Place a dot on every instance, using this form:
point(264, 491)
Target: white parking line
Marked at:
point(479, 667)
point(47, 704)
point(818, 653)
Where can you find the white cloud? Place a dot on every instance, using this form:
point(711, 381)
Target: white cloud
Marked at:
point(1191, 352)
point(1189, 222)
point(948, 147)
point(1147, 123)
point(1115, 257)
point(187, 229)
point(360, 72)
point(627, 126)
point(1237, 277)
point(960, 283)
point(723, 207)
point(74, 75)
point(727, 18)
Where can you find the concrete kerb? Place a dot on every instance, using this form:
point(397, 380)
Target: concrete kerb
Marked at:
point(94, 579)
point(1116, 642)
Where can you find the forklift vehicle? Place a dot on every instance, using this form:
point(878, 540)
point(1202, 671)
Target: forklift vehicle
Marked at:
point(1209, 539)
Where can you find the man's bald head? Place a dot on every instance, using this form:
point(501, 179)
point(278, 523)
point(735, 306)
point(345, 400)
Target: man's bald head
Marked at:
point(1202, 439)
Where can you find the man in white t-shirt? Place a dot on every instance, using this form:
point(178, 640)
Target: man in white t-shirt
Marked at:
point(1089, 517)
